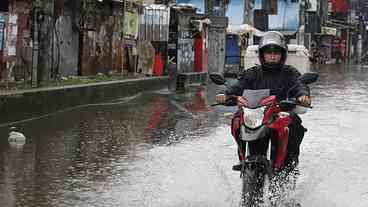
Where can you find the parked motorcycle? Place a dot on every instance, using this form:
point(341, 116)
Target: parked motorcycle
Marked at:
point(264, 131)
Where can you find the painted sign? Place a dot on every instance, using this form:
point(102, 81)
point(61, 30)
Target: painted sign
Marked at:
point(131, 25)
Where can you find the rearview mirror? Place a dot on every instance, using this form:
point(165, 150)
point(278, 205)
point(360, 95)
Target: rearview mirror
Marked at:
point(308, 78)
point(217, 78)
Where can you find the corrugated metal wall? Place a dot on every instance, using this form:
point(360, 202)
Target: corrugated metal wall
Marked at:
point(216, 50)
point(154, 23)
point(97, 48)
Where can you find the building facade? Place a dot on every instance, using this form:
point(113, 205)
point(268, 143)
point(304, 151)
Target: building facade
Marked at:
point(42, 40)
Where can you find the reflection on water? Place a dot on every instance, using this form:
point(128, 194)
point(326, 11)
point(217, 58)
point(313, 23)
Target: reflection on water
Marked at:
point(68, 153)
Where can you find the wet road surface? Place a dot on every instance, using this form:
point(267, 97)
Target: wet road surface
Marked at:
point(158, 149)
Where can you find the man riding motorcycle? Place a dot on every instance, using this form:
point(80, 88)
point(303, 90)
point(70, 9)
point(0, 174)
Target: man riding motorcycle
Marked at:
point(282, 80)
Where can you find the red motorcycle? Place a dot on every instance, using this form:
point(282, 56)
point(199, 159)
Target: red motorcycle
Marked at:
point(264, 132)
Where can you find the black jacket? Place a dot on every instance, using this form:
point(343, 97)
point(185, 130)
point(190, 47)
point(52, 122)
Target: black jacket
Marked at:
point(278, 81)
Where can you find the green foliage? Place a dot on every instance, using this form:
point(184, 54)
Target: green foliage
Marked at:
point(64, 81)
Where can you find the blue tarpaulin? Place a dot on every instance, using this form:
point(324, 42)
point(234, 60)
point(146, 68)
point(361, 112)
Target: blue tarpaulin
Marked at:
point(232, 52)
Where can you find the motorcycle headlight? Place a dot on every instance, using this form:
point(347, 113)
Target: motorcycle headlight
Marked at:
point(253, 117)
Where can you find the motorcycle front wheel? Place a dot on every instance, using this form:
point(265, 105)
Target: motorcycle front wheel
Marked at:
point(252, 187)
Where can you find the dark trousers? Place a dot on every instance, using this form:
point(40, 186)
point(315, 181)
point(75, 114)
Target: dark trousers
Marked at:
point(296, 135)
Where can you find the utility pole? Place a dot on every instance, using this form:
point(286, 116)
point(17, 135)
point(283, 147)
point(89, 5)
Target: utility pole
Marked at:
point(36, 15)
point(123, 35)
point(248, 14)
point(324, 12)
point(302, 15)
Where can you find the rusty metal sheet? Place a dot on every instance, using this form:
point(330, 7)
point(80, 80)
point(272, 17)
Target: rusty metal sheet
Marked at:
point(97, 49)
point(154, 23)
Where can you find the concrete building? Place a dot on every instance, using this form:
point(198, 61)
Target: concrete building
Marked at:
point(215, 10)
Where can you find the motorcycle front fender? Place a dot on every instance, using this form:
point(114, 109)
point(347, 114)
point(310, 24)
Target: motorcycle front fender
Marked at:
point(249, 135)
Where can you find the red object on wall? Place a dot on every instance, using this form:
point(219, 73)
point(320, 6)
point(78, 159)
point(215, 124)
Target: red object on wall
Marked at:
point(205, 51)
point(158, 67)
point(340, 6)
point(198, 54)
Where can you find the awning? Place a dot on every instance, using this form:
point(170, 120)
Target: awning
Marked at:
point(243, 28)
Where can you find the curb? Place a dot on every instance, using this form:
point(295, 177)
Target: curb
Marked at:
point(24, 104)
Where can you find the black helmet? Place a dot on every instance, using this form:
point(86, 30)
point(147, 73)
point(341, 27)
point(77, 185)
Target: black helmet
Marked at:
point(272, 40)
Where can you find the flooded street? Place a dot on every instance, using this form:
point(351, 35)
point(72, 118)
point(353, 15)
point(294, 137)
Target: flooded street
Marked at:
point(163, 150)
point(335, 149)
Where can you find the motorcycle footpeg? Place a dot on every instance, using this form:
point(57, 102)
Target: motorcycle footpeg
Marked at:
point(237, 167)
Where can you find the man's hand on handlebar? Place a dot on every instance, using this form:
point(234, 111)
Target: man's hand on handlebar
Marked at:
point(220, 98)
point(305, 100)
point(241, 101)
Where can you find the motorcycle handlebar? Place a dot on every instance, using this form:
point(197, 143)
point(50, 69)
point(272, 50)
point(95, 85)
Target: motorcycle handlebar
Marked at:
point(293, 103)
point(230, 101)
point(286, 105)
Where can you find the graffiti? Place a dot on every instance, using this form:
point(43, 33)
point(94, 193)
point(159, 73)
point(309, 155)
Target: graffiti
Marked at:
point(185, 55)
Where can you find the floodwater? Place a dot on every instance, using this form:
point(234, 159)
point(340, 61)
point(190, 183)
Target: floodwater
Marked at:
point(162, 150)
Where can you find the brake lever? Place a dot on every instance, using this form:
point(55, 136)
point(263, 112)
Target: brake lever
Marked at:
point(294, 102)
point(216, 104)
point(311, 107)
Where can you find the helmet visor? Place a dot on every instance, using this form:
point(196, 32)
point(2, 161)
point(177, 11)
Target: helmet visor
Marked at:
point(272, 49)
